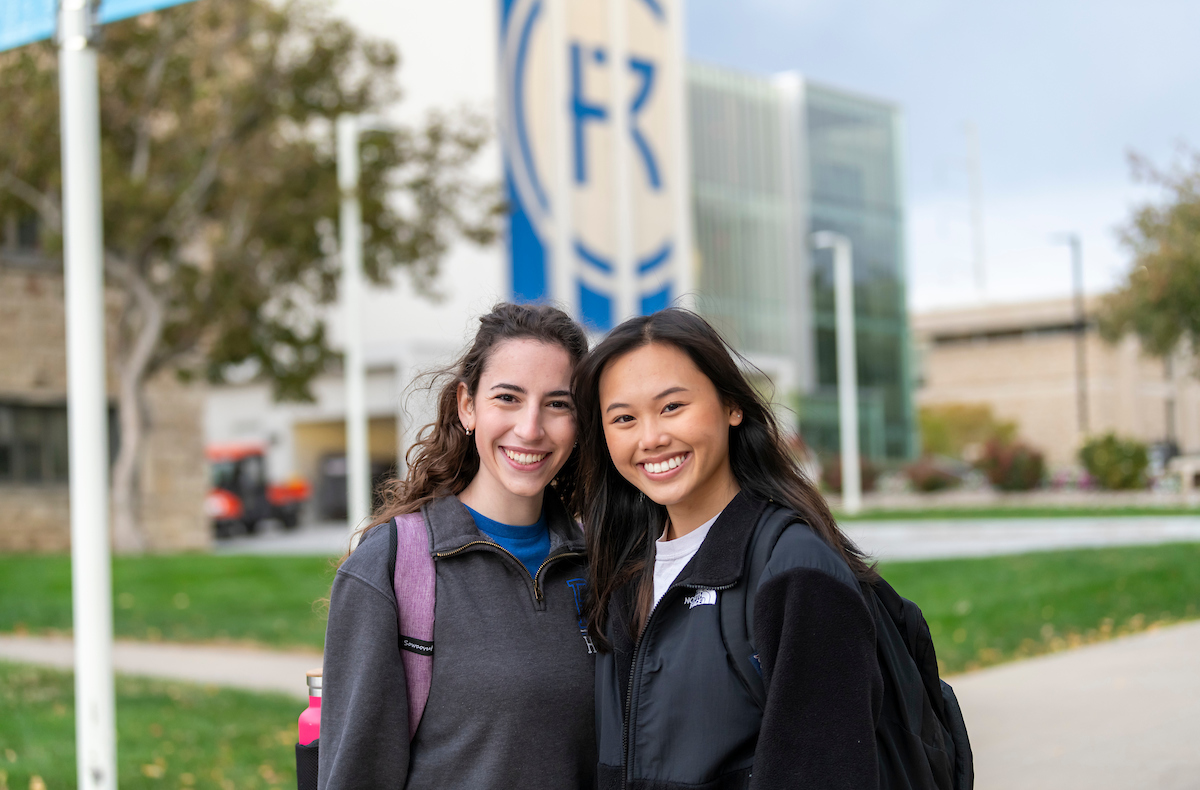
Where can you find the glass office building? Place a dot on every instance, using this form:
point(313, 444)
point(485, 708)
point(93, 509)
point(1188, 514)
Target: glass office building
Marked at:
point(774, 160)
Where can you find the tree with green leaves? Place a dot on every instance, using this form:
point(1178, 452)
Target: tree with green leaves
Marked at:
point(220, 191)
point(1160, 298)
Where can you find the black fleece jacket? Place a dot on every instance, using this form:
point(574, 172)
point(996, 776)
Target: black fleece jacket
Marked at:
point(672, 712)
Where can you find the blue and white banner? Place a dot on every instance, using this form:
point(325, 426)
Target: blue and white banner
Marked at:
point(25, 21)
point(594, 142)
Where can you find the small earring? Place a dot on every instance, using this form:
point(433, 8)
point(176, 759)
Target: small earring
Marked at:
point(468, 431)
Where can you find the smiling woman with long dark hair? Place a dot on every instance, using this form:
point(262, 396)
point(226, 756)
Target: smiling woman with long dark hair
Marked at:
point(501, 688)
point(682, 464)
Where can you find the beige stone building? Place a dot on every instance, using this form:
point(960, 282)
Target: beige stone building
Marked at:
point(1021, 360)
point(34, 503)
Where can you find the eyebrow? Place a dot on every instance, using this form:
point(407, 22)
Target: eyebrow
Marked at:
point(659, 396)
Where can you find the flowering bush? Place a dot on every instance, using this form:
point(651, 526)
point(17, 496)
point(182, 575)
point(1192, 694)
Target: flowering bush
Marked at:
point(927, 476)
point(1012, 466)
point(831, 474)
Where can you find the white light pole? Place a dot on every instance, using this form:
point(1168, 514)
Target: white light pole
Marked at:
point(358, 482)
point(975, 185)
point(847, 364)
point(87, 401)
point(1081, 399)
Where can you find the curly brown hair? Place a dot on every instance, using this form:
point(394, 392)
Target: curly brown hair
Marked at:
point(443, 460)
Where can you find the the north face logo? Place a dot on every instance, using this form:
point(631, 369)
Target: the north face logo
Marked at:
point(701, 598)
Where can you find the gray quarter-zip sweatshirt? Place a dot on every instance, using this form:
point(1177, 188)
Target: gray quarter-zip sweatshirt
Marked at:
point(511, 700)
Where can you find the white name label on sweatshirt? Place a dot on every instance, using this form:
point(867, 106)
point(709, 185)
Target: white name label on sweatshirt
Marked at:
point(701, 598)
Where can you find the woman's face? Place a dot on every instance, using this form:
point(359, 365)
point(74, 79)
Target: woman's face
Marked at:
point(668, 431)
point(523, 417)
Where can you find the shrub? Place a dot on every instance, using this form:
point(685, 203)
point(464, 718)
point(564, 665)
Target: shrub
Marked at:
point(1012, 466)
point(1117, 464)
point(831, 474)
point(949, 429)
point(927, 476)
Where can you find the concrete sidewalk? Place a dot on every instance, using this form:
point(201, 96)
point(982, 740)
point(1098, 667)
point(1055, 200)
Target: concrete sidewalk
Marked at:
point(249, 668)
point(884, 540)
point(946, 538)
point(1122, 715)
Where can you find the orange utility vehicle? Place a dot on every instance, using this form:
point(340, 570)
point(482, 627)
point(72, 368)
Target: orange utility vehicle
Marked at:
point(241, 498)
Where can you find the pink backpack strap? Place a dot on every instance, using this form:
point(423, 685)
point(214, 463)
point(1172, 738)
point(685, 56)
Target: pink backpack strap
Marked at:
point(414, 581)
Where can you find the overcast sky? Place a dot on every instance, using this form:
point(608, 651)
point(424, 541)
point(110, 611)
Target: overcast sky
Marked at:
point(1059, 91)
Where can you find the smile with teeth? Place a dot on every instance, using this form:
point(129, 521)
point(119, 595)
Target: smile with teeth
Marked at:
point(525, 459)
point(665, 466)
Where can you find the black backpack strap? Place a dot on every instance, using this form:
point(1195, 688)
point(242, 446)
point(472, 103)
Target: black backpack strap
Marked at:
point(737, 603)
point(393, 547)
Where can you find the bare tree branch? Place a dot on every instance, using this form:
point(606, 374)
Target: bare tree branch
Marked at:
point(154, 79)
point(40, 202)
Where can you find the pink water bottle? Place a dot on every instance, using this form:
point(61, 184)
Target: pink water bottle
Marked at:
point(310, 719)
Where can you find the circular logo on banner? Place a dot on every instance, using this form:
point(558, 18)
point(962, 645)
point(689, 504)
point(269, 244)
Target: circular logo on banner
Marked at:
point(588, 80)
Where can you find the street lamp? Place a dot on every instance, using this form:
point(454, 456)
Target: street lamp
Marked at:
point(1072, 240)
point(358, 482)
point(847, 364)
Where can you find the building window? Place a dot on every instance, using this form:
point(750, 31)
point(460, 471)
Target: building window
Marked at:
point(27, 236)
point(33, 444)
point(21, 243)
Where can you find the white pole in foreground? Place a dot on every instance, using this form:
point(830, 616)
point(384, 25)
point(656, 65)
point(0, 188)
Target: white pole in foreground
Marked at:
point(87, 402)
point(358, 485)
point(847, 366)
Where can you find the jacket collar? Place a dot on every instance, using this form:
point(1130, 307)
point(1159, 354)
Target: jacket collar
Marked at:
point(718, 563)
point(451, 526)
point(722, 555)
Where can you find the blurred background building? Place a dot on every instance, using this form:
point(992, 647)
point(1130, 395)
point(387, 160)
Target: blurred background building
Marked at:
point(774, 160)
point(172, 480)
point(1020, 359)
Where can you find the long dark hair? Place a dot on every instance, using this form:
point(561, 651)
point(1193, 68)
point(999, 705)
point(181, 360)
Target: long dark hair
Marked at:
point(443, 460)
point(621, 524)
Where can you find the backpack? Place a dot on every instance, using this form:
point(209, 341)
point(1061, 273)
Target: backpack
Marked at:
point(921, 737)
point(413, 579)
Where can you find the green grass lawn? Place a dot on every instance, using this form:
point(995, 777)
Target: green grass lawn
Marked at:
point(188, 597)
point(1014, 512)
point(169, 734)
point(992, 609)
point(179, 735)
point(980, 611)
